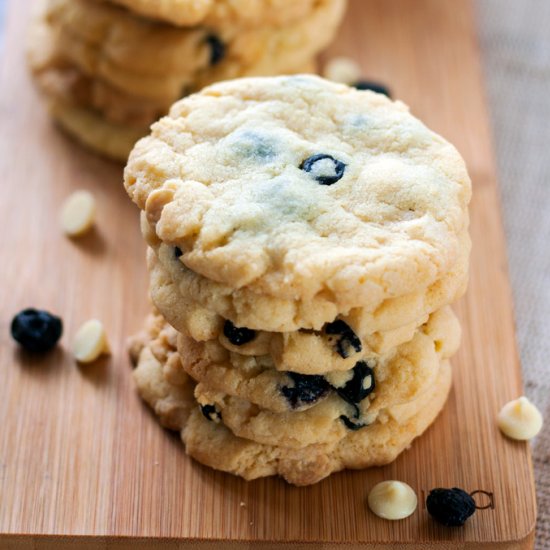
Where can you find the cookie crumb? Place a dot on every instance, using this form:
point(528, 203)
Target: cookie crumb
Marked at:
point(392, 500)
point(520, 419)
point(90, 342)
point(343, 70)
point(78, 213)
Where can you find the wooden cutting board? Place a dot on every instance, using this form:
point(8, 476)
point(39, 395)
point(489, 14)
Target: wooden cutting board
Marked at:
point(83, 464)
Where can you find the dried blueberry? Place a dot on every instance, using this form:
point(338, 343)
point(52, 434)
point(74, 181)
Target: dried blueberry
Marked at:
point(347, 340)
point(351, 424)
point(178, 253)
point(325, 169)
point(211, 413)
point(450, 507)
point(307, 389)
point(238, 336)
point(360, 385)
point(217, 49)
point(372, 86)
point(37, 331)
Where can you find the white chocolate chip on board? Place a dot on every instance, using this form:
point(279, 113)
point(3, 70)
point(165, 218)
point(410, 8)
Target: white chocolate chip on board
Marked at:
point(392, 500)
point(520, 419)
point(78, 213)
point(343, 70)
point(90, 342)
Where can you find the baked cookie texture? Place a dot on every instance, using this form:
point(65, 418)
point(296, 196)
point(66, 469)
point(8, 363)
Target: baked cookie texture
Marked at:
point(209, 441)
point(99, 62)
point(259, 223)
point(305, 241)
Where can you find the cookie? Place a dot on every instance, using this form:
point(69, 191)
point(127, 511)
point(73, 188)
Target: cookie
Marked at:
point(98, 113)
point(181, 295)
point(380, 444)
point(216, 13)
point(336, 347)
point(318, 409)
point(205, 435)
point(397, 377)
point(164, 63)
point(318, 198)
point(290, 410)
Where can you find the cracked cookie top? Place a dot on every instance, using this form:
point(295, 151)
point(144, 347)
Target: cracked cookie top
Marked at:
point(299, 188)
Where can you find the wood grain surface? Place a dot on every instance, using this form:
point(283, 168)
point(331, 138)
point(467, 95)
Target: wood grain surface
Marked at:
point(83, 464)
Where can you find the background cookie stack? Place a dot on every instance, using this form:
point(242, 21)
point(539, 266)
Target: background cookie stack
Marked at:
point(305, 240)
point(110, 69)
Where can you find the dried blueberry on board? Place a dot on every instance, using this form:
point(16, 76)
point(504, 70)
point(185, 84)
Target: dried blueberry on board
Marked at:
point(238, 336)
point(347, 339)
point(217, 49)
point(36, 331)
point(325, 169)
point(360, 385)
point(450, 507)
point(211, 413)
point(372, 86)
point(178, 252)
point(352, 424)
point(307, 389)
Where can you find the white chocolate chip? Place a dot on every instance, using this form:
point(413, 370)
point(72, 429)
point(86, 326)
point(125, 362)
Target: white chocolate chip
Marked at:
point(90, 342)
point(520, 419)
point(392, 500)
point(343, 70)
point(78, 213)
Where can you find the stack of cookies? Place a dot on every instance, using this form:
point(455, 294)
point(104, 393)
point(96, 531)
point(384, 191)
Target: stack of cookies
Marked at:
point(111, 68)
point(305, 242)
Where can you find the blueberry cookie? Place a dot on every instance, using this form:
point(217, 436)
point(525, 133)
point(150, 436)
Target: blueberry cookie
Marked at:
point(107, 99)
point(394, 378)
point(380, 444)
point(163, 63)
point(179, 294)
point(318, 198)
point(206, 436)
point(336, 347)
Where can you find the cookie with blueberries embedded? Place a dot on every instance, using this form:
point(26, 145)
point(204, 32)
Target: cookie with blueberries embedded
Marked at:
point(313, 213)
point(290, 350)
point(305, 239)
point(294, 410)
point(107, 71)
point(304, 351)
point(398, 376)
point(162, 63)
point(205, 434)
point(179, 293)
point(314, 409)
point(158, 63)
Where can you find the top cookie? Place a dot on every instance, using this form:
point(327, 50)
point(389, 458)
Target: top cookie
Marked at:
point(300, 188)
point(220, 12)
